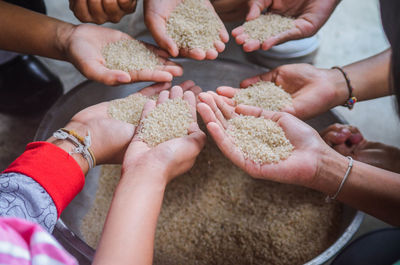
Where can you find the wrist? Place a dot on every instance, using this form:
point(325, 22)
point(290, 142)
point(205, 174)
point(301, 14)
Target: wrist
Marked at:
point(331, 168)
point(146, 173)
point(63, 36)
point(341, 92)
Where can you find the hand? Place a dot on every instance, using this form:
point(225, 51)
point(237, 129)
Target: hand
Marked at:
point(313, 90)
point(310, 16)
point(348, 141)
point(82, 47)
point(173, 157)
point(231, 10)
point(101, 11)
point(300, 168)
point(156, 14)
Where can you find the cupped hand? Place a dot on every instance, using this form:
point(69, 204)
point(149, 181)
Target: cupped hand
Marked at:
point(313, 90)
point(348, 141)
point(173, 157)
point(83, 47)
point(310, 16)
point(300, 168)
point(101, 11)
point(156, 14)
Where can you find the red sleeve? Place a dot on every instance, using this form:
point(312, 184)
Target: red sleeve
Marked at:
point(54, 169)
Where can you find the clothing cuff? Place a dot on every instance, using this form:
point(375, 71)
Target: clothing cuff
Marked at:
point(54, 169)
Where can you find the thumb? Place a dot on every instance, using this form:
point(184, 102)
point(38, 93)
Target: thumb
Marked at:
point(256, 7)
point(98, 72)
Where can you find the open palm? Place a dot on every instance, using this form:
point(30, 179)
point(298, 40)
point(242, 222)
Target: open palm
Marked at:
point(313, 90)
point(83, 49)
point(156, 14)
point(299, 168)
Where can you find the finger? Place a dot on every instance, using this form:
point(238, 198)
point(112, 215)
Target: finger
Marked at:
point(242, 38)
point(197, 138)
point(96, 11)
point(170, 67)
point(112, 10)
point(334, 138)
point(150, 75)
point(251, 45)
point(337, 127)
point(229, 101)
point(189, 97)
point(292, 34)
point(211, 54)
point(197, 54)
point(226, 91)
point(249, 81)
point(98, 72)
point(224, 36)
point(225, 144)
point(207, 114)
point(237, 31)
point(249, 110)
point(128, 6)
point(209, 100)
point(148, 107)
point(81, 11)
point(176, 92)
point(156, 25)
point(154, 89)
point(164, 96)
point(255, 9)
point(219, 46)
point(196, 90)
point(188, 84)
point(227, 110)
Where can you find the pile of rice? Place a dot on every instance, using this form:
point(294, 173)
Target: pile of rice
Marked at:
point(264, 94)
point(129, 54)
point(194, 25)
point(261, 140)
point(217, 214)
point(127, 109)
point(267, 26)
point(167, 121)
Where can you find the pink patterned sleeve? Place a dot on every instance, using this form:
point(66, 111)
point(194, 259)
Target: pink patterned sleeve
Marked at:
point(23, 242)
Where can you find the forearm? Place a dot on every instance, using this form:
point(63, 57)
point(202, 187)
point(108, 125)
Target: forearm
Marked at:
point(367, 188)
point(29, 32)
point(134, 210)
point(369, 78)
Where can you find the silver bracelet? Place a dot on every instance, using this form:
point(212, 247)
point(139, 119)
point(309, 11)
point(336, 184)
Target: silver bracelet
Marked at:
point(80, 148)
point(331, 198)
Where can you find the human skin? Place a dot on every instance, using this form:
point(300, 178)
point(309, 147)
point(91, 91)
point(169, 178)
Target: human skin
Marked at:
point(312, 164)
point(128, 235)
point(310, 16)
point(156, 14)
point(80, 45)
point(99, 12)
point(315, 91)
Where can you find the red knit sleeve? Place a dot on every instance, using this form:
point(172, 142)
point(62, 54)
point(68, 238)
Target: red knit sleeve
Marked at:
point(54, 169)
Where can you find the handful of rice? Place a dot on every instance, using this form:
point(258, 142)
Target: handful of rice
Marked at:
point(261, 140)
point(267, 26)
point(127, 109)
point(193, 25)
point(167, 121)
point(265, 95)
point(129, 54)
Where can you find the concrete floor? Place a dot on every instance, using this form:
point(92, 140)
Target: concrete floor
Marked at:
point(352, 33)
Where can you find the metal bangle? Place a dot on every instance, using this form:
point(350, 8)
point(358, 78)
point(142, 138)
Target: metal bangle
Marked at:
point(331, 198)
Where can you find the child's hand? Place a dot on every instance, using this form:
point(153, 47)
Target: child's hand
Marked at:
point(156, 14)
point(101, 11)
point(173, 157)
point(310, 17)
point(83, 46)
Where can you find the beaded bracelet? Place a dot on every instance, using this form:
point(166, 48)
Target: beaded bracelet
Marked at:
point(352, 99)
point(350, 166)
point(81, 144)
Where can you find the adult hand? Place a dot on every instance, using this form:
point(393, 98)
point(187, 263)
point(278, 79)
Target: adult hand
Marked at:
point(301, 167)
point(83, 46)
point(173, 157)
point(156, 14)
point(313, 90)
point(101, 11)
point(348, 141)
point(310, 16)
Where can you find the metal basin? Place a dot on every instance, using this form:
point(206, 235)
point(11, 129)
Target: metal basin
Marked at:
point(208, 75)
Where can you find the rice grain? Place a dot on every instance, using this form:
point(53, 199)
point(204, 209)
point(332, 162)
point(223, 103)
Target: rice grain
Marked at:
point(127, 109)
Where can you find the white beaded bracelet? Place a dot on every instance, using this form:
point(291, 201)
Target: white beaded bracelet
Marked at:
point(331, 198)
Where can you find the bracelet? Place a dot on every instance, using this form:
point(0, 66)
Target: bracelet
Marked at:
point(352, 99)
point(81, 144)
point(331, 198)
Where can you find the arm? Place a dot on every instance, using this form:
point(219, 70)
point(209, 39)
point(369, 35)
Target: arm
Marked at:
point(312, 164)
point(315, 90)
point(80, 45)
